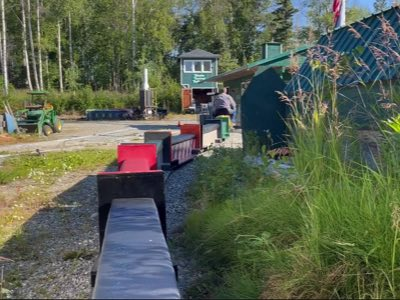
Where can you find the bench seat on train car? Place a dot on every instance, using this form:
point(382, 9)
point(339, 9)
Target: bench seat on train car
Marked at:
point(182, 147)
point(135, 262)
point(210, 134)
point(177, 139)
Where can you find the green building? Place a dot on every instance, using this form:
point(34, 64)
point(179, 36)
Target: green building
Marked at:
point(254, 87)
point(195, 67)
point(368, 55)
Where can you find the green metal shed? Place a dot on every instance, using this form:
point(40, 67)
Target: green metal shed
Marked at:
point(371, 48)
point(254, 87)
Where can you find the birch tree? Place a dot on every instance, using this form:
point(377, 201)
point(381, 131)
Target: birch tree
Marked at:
point(4, 44)
point(33, 56)
point(39, 45)
point(25, 46)
point(71, 54)
point(60, 69)
point(1, 49)
point(133, 34)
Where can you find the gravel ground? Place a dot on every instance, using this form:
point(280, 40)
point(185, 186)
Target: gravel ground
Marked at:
point(56, 249)
point(178, 183)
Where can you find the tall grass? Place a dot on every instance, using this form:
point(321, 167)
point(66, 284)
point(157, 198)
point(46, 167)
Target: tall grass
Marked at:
point(349, 242)
point(329, 231)
point(237, 225)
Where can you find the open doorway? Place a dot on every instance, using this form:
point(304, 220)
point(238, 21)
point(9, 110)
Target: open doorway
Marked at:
point(200, 96)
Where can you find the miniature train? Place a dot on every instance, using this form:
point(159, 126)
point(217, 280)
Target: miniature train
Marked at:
point(137, 188)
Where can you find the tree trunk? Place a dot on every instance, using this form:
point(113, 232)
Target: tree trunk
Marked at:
point(25, 46)
point(59, 56)
point(1, 49)
point(47, 70)
point(71, 54)
point(35, 73)
point(133, 35)
point(4, 44)
point(38, 6)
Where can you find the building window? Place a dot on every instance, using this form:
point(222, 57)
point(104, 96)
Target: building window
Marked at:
point(188, 66)
point(207, 66)
point(197, 66)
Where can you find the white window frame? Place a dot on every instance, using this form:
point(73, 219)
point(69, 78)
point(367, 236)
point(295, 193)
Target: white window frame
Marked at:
point(193, 61)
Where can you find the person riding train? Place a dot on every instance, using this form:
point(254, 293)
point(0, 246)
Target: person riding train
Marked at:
point(224, 104)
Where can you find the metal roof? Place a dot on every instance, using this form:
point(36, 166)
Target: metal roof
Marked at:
point(198, 53)
point(233, 74)
point(281, 60)
point(369, 50)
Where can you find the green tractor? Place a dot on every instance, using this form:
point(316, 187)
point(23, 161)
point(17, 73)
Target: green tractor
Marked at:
point(39, 115)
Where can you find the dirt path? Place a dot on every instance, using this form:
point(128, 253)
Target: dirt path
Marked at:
point(84, 134)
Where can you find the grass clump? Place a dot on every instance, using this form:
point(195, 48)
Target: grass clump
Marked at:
point(78, 254)
point(46, 168)
point(242, 216)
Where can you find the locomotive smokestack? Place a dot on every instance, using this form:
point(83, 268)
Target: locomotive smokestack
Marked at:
point(145, 80)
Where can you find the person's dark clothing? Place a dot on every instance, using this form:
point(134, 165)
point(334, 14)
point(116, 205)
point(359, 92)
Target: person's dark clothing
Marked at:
point(222, 112)
point(224, 105)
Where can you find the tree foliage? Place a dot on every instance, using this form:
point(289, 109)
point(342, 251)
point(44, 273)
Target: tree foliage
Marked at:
point(105, 44)
point(380, 5)
point(320, 15)
point(234, 29)
point(282, 21)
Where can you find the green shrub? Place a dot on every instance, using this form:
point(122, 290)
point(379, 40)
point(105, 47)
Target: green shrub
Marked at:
point(229, 176)
point(242, 217)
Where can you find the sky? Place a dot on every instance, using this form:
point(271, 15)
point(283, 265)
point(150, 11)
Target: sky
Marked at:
point(301, 18)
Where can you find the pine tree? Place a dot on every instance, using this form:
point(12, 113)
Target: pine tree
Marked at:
point(283, 21)
point(380, 5)
point(247, 18)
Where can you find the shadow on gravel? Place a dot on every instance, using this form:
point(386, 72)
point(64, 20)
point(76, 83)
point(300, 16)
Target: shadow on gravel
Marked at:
point(54, 250)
